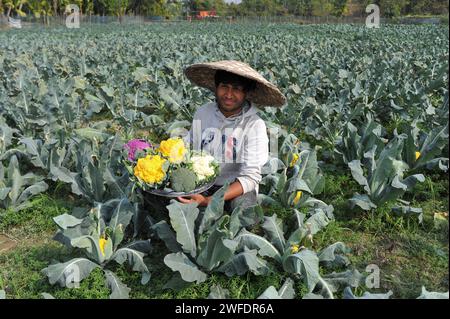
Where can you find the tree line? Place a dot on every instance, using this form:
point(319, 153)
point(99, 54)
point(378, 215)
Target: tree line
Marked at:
point(176, 8)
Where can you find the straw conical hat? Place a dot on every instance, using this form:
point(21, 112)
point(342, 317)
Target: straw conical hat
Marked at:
point(264, 94)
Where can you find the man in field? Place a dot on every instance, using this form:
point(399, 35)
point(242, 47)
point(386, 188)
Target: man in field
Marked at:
point(230, 128)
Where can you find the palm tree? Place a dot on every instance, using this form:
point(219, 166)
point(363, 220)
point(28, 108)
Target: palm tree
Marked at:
point(41, 8)
point(55, 7)
point(15, 5)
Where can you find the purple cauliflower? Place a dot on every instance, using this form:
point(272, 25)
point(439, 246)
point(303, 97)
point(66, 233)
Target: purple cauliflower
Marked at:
point(135, 145)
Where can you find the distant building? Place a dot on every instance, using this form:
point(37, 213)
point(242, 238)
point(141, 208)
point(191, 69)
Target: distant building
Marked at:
point(206, 14)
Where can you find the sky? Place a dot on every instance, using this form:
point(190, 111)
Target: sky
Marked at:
point(230, 1)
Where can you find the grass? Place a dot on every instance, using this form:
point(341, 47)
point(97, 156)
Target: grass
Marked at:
point(409, 255)
point(20, 269)
point(21, 277)
point(33, 220)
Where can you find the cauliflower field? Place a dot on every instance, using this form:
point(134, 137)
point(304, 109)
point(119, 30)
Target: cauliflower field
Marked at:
point(354, 203)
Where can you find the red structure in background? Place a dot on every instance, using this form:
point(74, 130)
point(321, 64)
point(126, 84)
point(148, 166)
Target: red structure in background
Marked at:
point(204, 14)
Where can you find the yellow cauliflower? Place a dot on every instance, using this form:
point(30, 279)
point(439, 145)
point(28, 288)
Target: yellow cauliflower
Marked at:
point(150, 169)
point(173, 149)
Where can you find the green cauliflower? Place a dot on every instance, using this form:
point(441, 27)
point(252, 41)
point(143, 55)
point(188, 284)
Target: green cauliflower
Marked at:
point(183, 180)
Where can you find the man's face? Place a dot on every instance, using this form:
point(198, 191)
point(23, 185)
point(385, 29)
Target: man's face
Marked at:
point(230, 97)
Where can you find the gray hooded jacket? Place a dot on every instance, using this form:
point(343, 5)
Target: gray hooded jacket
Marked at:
point(239, 143)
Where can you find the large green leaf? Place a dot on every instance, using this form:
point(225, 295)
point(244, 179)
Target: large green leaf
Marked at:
point(281, 183)
point(358, 174)
point(243, 262)
point(430, 147)
point(143, 246)
point(4, 192)
point(214, 210)
point(182, 217)
point(188, 270)
point(64, 236)
point(432, 295)
point(285, 292)
point(299, 185)
point(121, 218)
point(241, 218)
point(318, 221)
point(217, 249)
point(363, 201)
point(91, 133)
point(69, 273)
point(333, 255)
point(217, 292)
point(265, 200)
point(301, 231)
point(399, 187)
point(306, 264)
point(34, 149)
point(6, 135)
point(65, 221)
point(91, 244)
point(337, 281)
point(409, 211)
point(28, 192)
point(17, 179)
point(116, 184)
point(273, 228)
point(118, 289)
point(310, 172)
point(253, 241)
point(270, 293)
point(96, 182)
point(166, 234)
point(176, 283)
point(135, 259)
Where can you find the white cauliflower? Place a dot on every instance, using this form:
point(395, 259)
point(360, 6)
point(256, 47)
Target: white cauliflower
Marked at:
point(201, 165)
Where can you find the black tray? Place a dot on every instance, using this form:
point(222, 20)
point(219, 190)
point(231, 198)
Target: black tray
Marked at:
point(166, 193)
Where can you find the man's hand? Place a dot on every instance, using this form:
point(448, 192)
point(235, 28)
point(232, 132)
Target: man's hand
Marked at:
point(232, 192)
point(200, 199)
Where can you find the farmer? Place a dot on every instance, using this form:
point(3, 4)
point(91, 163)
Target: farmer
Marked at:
point(231, 130)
